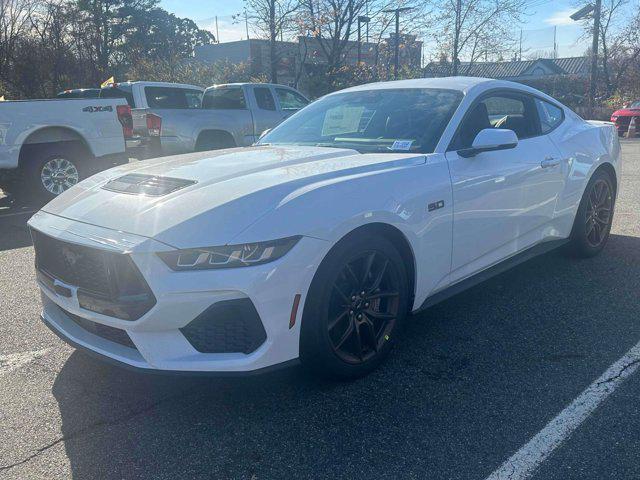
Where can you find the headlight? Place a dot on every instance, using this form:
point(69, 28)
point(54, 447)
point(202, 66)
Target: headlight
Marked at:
point(228, 256)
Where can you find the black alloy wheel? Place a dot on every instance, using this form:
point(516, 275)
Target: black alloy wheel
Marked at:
point(592, 223)
point(358, 298)
point(598, 213)
point(363, 307)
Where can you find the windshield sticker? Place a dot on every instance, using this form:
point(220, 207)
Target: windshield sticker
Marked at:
point(402, 145)
point(341, 120)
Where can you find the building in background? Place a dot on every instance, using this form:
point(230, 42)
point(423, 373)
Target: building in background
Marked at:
point(306, 53)
point(518, 70)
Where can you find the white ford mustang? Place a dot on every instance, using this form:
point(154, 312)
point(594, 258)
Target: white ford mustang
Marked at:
point(315, 243)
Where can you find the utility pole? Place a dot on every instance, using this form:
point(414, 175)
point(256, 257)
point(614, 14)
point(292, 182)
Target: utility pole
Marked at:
point(594, 55)
point(555, 43)
point(397, 12)
point(456, 36)
point(520, 49)
point(246, 22)
point(217, 33)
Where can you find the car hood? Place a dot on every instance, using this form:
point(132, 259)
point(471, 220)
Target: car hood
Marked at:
point(220, 192)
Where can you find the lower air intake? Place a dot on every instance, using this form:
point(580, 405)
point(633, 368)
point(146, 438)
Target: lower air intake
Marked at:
point(230, 326)
point(112, 334)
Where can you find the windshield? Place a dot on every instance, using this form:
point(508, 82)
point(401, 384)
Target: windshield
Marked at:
point(389, 120)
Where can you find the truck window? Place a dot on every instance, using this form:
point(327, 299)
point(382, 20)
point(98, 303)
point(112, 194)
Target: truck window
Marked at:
point(118, 91)
point(264, 99)
point(229, 98)
point(172, 98)
point(290, 100)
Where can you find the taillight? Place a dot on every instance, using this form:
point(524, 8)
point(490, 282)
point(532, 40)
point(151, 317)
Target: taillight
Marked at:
point(125, 119)
point(154, 124)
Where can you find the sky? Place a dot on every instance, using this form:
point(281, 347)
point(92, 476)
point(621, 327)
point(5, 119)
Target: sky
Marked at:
point(538, 25)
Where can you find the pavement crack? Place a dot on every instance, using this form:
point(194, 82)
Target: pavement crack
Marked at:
point(95, 426)
point(619, 374)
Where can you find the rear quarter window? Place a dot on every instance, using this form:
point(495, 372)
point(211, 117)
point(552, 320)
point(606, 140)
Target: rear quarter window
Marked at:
point(550, 115)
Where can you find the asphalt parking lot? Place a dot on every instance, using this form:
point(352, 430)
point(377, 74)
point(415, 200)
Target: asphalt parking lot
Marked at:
point(475, 379)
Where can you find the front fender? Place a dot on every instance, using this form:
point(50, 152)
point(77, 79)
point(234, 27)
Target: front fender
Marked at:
point(399, 197)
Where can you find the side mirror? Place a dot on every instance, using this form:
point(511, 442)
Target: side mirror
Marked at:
point(490, 140)
point(264, 133)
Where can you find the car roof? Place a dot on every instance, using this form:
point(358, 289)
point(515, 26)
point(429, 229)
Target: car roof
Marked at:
point(463, 84)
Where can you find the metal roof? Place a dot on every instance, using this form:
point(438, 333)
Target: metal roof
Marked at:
point(513, 69)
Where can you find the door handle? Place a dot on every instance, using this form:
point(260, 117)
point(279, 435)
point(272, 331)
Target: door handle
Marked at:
point(550, 162)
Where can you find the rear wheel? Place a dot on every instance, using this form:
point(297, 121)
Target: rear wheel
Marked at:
point(214, 140)
point(357, 299)
point(592, 224)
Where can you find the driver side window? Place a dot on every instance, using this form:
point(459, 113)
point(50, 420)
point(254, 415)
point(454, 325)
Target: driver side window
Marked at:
point(512, 112)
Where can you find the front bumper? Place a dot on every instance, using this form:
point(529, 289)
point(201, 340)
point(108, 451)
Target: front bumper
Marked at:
point(158, 339)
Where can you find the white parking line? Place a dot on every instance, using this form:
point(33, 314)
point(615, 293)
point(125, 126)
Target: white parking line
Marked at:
point(525, 461)
point(9, 363)
point(7, 215)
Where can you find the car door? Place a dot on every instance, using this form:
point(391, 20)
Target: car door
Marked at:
point(265, 113)
point(502, 199)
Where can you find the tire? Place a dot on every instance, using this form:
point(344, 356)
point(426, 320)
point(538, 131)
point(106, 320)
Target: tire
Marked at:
point(374, 317)
point(214, 141)
point(52, 169)
point(590, 231)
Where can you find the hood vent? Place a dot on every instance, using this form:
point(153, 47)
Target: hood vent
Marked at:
point(150, 185)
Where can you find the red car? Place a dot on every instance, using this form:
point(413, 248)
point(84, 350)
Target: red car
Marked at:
point(622, 117)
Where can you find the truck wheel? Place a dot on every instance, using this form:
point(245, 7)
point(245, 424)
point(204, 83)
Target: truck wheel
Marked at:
point(52, 169)
point(214, 141)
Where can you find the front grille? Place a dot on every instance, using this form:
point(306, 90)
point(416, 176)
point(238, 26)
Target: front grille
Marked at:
point(108, 282)
point(230, 326)
point(112, 334)
point(76, 265)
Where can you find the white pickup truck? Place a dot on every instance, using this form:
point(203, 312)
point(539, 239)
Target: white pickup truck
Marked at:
point(174, 118)
point(48, 146)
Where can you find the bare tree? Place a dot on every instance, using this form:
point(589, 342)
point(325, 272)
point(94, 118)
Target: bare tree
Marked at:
point(474, 28)
point(272, 19)
point(15, 18)
point(618, 40)
point(333, 23)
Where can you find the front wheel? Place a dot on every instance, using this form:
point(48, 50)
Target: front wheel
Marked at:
point(357, 300)
point(594, 217)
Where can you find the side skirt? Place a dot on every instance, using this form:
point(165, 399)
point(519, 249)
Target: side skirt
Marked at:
point(490, 272)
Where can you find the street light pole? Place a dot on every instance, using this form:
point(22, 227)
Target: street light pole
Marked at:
point(594, 56)
point(361, 19)
point(397, 39)
point(581, 15)
point(359, 43)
